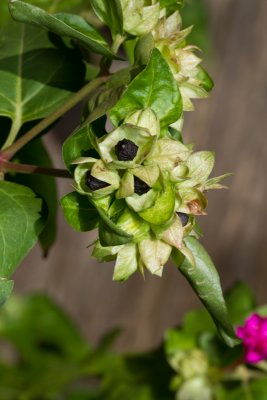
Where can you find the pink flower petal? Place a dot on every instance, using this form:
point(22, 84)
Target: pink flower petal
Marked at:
point(254, 336)
point(252, 356)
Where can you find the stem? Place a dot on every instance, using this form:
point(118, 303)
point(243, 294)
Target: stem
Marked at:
point(6, 166)
point(15, 127)
point(9, 152)
point(119, 39)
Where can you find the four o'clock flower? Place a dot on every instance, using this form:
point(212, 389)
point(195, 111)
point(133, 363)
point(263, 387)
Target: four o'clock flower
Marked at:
point(147, 187)
point(254, 336)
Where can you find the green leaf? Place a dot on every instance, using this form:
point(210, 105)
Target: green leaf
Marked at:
point(35, 153)
point(156, 88)
point(79, 212)
point(177, 340)
point(254, 390)
point(109, 233)
point(105, 253)
point(35, 77)
point(20, 225)
point(109, 93)
point(4, 13)
point(171, 5)
point(6, 287)
point(79, 144)
point(163, 208)
point(109, 12)
point(205, 281)
point(36, 326)
point(240, 302)
point(206, 81)
point(63, 24)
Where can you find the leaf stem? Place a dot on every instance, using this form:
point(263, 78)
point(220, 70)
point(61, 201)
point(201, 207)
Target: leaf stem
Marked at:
point(119, 39)
point(15, 127)
point(9, 152)
point(6, 166)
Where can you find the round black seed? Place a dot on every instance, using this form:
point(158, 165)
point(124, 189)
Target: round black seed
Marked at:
point(183, 217)
point(126, 150)
point(94, 183)
point(140, 187)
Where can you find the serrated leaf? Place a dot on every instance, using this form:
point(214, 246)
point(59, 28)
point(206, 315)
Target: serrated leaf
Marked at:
point(79, 212)
point(35, 77)
point(63, 24)
point(20, 225)
point(153, 88)
point(35, 153)
point(205, 281)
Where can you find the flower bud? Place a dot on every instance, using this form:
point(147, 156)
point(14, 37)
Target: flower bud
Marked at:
point(139, 17)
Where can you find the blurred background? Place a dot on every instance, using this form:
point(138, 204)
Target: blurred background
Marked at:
point(232, 122)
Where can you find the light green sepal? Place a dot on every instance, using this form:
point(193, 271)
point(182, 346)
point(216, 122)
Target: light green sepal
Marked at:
point(145, 118)
point(139, 17)
point(141, 137)
point(99, 171)
point(167, 154)
point(200, 165)
point(174, 234)
point(143, 202)
point(163, 209)
point(154, 254)
point(107, 253)
point(126, 263)
point(132, 224)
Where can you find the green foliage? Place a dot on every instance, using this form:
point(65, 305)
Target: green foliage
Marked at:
point(109, 12)
point(51, 360)
point(156, 88)
point(204, 279)
point(36, 77)
point(45, 186)
point(21, 223)
point(63, 24)
point(79, 212)
point(137, 182)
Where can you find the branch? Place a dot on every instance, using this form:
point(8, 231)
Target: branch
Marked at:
point(6, 166)
point(9, 152)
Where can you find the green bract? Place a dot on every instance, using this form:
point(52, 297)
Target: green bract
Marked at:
point(143, 183)
point(184, 64)
point(139, 16)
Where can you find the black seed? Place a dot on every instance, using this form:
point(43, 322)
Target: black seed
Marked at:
point(140, 187)
point(94, 183)
point(183, 217)
point(126, 150)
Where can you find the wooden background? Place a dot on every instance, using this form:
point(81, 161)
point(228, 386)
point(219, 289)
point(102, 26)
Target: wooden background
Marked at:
point(233, 123)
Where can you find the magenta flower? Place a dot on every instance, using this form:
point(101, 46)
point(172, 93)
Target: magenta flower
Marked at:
point(254, 335)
